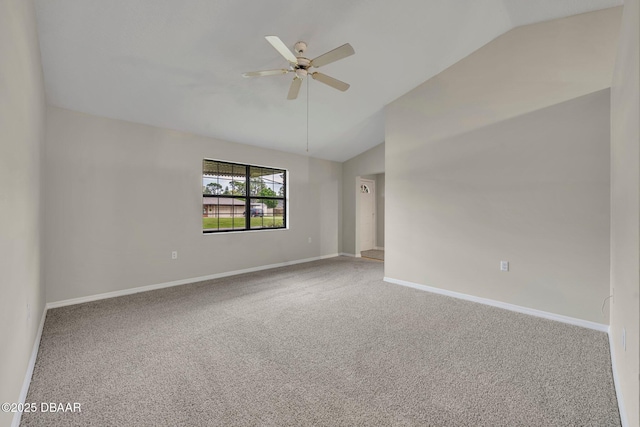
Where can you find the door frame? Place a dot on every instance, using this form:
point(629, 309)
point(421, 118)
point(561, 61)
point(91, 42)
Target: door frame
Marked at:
point(374, 224)
point(359, 182)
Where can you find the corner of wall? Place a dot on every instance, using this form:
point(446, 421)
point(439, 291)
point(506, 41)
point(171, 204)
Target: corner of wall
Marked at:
point(22, 133)
point(625, 216)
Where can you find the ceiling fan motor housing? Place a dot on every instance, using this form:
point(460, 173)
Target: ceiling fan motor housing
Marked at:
point(302, 66)
point(300, 47)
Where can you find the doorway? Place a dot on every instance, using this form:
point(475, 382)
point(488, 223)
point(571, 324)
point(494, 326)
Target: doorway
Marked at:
point(367, 214)
point(370, 202)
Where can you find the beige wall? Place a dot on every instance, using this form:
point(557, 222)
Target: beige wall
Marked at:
point(532, 190)
point(101, 235)
point(370, 162)
point(523, 70)
point(625, 209)
point(21, 136)
point(504, 156)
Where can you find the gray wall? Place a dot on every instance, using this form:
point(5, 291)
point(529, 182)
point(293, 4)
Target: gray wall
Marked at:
point(502, 158)
point(370, 162)
point(533, 190)
point(523, 70)
point(625, 209)
point(21, 136)
point(121, 196)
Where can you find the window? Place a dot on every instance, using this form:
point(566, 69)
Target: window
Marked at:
point(229, 204)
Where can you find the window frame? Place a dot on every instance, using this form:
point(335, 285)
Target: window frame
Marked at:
point(248, 198)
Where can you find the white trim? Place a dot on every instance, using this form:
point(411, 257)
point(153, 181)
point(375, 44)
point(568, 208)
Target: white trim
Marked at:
point(372, 185)
point(504, 305)
point(616, 383)
point(32, 363)
point(379, 248)
point(130, 291)
point(350, 255)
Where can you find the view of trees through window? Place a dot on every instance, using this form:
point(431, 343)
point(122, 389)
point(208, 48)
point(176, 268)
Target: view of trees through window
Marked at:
point(229, 204)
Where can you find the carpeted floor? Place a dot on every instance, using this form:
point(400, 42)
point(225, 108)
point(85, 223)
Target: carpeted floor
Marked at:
point(373, 254)
point(323, 343)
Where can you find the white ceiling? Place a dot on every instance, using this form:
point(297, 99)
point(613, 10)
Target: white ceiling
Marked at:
point(177, 64)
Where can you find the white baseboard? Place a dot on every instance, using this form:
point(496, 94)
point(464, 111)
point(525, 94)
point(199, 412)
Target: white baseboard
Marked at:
point(32, 363)
point(379, 248)
point(347, 254)
point(504, 305)
point(616, 382)
point(130, 291)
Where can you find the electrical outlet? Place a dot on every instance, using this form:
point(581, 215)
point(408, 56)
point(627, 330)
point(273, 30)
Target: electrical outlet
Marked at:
point(309, 240)
point(504, 265)
point(174, 255)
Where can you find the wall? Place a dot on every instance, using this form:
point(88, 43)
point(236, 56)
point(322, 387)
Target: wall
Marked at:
point(523, 70)
point(370, 162)
point(504, 156)
point(625, 210)
point(21, 136)
point(532, 190)
point(121, 196)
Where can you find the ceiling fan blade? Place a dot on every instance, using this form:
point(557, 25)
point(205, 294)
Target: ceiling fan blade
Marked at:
point(333, 55)
point(265, 73)
point(295, 88)
point(334, 83)
point(282, 48)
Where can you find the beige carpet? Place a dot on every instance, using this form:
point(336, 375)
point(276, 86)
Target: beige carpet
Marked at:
point(373, 254)
point(324, 343)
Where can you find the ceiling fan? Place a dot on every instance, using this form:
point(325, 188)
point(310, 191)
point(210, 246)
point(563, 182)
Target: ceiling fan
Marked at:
point(301, 66)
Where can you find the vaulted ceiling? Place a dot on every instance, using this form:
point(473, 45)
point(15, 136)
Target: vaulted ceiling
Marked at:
point(177, 64)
